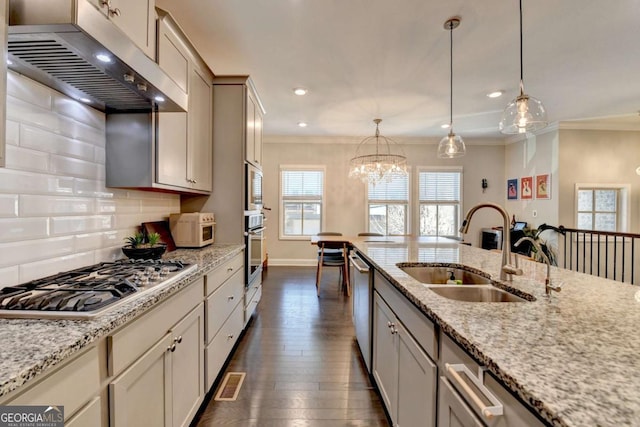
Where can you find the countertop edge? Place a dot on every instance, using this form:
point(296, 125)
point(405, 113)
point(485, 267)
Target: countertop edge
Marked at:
point(207, 258)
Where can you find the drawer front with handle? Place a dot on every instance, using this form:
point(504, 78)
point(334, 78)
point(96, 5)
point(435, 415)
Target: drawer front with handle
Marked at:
point(219, 275)
point(222, 302)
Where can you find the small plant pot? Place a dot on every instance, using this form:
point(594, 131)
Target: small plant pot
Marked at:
point(154, 252)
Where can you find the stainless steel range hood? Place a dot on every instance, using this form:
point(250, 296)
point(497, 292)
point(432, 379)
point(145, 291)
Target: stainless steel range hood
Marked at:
point(56, 42)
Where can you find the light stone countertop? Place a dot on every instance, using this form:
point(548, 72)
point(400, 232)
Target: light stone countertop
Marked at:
point(31, 346)
point(575, 357)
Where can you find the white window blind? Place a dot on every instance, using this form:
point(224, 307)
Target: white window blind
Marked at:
point(439, 186)
point(301, 198)
point(388, 205)
point(439, 194)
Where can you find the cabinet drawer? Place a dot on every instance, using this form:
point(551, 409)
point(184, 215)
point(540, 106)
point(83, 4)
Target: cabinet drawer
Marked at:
point(515, 413)
point(251, 306)
point(126, 345)
point(422, 329)
point(217, 277)
point(70, 386)
point(222, 344)
point(221, 303)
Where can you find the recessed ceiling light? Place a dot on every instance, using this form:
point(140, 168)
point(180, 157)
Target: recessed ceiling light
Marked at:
point(495, 94)
point(302, 124)
point(300, 91)
point(103, 57)
point(85, 100)
point(159, 98)
point(445, 126)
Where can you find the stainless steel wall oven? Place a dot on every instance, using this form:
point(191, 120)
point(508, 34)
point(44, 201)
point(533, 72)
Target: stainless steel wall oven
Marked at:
point(254, 239)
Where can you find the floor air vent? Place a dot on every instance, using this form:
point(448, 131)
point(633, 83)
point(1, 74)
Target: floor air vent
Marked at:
point(230, 386)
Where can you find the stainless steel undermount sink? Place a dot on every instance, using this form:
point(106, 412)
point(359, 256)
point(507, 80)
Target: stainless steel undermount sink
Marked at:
point(438, 275)
point(476, 294)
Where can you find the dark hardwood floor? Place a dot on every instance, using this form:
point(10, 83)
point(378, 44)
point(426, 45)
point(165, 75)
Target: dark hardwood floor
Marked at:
point(301, 359)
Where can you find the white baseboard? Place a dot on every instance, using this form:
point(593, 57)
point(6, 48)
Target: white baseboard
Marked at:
point(293, 262)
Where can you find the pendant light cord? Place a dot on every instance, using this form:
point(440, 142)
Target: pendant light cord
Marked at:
point(451, 77)
point(521, 54)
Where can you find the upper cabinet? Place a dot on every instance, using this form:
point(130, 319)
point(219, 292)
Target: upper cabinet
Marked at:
point(241, 121)
point(254, 113)
point(170, 151)
point(135, 18)
point(184, 141)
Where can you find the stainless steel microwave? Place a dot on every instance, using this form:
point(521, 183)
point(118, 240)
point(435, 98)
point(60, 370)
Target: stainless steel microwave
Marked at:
point(254, 188)
point(192, 230)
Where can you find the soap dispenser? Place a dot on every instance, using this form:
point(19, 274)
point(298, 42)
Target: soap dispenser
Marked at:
point(452, 279)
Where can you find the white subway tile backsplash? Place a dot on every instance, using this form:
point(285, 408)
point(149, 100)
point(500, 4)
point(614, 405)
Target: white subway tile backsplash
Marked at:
point(29, 160)
point(38, 269)
point(9, 276)
point(75, 167)
point(27, 90)
point(12, 229)
point(39, 139)
point(8, 205)
point(15, 253)
point(93, 188)
point(55, 205)
point(78, 111)
point(56, 213)
point(80, 224)
point(12, 132)
point(20, 182)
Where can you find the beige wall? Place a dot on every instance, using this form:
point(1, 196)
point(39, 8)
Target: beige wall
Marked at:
point(345, 197)
point(530, 156)
point(596, 156)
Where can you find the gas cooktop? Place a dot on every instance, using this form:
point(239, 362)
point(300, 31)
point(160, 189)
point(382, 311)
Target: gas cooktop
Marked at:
point(89, 291)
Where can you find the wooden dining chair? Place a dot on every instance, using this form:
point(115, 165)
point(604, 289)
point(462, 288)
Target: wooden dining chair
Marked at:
point(336, 258)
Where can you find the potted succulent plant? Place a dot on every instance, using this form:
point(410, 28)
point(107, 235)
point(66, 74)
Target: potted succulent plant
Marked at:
point(141, 246)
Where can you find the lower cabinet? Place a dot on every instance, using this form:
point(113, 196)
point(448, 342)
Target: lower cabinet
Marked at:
point(405, 374)
point(164, 387)
point(453, 411)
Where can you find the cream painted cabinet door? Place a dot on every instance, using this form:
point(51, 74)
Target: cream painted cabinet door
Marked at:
point(171, 149)
point(417, 380)
point(187, 367)
point(250, 137)
point(385, 354)
point(141, 395)
point(137, 20)
point(200, 118)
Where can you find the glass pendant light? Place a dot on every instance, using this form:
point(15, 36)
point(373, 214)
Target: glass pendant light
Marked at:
point(451, 145)
point(525, 113)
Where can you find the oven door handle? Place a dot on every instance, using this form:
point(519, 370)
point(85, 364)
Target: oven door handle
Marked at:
point(256, 231)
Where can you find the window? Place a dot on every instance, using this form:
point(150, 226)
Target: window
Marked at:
point(301, 196)
point(388, 203)
point(601, 208)
point(439, 198)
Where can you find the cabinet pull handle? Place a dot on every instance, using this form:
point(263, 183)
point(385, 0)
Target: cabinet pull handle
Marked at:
point(230, 336)
point(230, 269)
point(230, 297)
point(172, 348)
point(488, 411)
point(114, 12)
point(178, 340)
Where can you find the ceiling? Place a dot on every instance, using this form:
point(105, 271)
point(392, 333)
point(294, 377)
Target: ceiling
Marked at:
point(362, 59)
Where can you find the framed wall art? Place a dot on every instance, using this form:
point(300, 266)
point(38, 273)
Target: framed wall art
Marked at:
point(512, 189)
point(543, 186)
point(526, 188)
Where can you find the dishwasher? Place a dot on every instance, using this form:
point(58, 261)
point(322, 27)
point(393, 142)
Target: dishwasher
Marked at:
point(362, 299)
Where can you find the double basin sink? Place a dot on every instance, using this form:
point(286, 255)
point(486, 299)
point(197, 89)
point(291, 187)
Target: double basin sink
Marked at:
point(470, 286)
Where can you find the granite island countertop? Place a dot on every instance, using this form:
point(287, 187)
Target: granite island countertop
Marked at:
point(574, 356)
point(33, 346)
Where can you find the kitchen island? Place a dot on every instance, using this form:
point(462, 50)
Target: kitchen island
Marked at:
point(572, 357)
point(32, 347)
